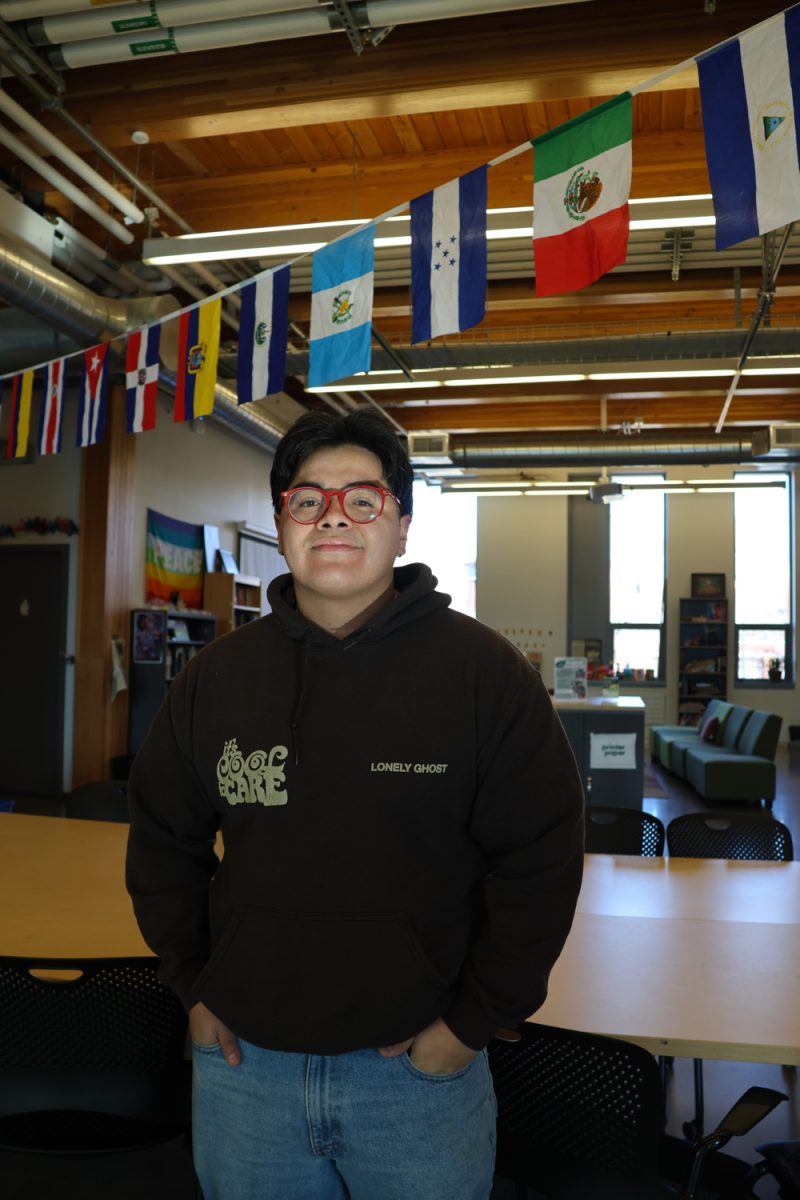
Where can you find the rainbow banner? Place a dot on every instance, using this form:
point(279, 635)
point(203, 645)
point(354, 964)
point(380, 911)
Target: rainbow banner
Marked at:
point(174, 560)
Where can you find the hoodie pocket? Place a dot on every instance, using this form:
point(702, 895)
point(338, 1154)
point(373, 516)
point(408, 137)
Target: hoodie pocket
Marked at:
point(321, 983)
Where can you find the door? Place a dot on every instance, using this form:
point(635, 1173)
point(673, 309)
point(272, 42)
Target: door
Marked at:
point(33, 628)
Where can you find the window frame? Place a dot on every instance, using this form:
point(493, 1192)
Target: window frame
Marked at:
point(661, 625)
point(788, 679)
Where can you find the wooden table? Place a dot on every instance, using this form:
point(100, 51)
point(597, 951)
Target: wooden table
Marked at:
point(692, 957)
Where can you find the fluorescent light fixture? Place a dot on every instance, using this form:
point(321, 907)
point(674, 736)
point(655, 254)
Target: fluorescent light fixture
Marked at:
point(771, 371)
point(366, 384)
point(562, 491)
point(464, 485)
point(497, 380)
point(696, 374)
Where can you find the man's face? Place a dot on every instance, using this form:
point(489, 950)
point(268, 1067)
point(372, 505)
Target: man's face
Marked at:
point(336, 558)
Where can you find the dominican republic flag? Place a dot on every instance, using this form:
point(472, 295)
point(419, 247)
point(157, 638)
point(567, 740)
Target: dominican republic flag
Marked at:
point(342, 279)
point(263, 329)
point(19, 422)
point(93, 397)
point(750, 94)
point(448, 257)
point(198, 351)
point(141, 378)
point(51, 409)
point(582, 182)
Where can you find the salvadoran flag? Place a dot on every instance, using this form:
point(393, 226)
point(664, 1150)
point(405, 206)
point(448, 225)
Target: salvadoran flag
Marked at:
point(141, 378)
point(93, 396)
point(263, 329)
point(198, 351)
point(750, 95)
point(342, 278)
point(19, 421)
point(51, 409)
point(582, 183)
point(448, 257)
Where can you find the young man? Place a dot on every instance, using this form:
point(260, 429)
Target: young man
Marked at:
point(402, 822)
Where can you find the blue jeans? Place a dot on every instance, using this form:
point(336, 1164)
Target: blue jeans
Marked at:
point(330, 1127)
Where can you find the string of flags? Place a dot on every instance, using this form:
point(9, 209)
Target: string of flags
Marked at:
point(750, 97)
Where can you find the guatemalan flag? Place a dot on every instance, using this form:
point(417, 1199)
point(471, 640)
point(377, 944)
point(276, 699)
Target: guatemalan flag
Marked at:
point(750, 93)
point(263, 329)
point(198, 351)
point(51, 410)
point(448, 257)
point(342, 278)
point(93, 397)
point(141, 378)
point(19, 419)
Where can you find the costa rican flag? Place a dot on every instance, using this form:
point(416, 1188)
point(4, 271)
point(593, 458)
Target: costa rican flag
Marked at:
point(93, 397)
point(51, 411)
point(263, 329)
point(141, 379)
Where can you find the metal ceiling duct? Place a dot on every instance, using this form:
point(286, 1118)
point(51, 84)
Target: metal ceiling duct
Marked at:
point(607, 452)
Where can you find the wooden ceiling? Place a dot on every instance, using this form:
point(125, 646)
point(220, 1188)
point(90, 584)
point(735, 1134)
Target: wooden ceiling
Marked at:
point(305, 131)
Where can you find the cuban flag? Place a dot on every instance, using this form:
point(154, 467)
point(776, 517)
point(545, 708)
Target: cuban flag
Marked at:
point(342, 279)
point(198, 351)
point(750, 94)
point(263, 330)
point(19, 417)
point(93, 396)
point(51, 409)
point(141, 378)
point(448, 257)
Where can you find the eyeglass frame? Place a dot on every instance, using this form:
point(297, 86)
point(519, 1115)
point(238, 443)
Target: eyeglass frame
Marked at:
point(340, 493)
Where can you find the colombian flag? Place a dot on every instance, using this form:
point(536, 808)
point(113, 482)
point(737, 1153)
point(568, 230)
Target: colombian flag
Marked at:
point(20, 417)
point(198, 349)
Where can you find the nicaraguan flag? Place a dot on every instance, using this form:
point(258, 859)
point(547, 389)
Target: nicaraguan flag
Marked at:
point(448, 257)
point(198, 351)
point(263, 329)
point(51, 409)
point(19, 417)
point(342, 276)
point(141, 378)
point(750, 94)
point(93, 396)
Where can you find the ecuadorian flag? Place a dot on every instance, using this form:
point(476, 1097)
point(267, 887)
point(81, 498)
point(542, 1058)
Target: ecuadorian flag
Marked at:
point(20, 416)
point(198, 350)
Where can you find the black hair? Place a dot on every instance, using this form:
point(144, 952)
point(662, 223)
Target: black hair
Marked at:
point(325, 430)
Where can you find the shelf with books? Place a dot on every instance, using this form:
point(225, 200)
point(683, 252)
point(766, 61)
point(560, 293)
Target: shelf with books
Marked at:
point(702, 656)
point(234, 599)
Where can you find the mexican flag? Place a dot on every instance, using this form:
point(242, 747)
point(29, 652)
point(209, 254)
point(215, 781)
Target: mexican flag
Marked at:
point(582, 181)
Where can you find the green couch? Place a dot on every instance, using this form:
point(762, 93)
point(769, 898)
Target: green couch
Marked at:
point(738, 765)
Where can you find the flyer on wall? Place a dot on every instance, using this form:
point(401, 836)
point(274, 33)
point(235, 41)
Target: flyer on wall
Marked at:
point(570, 678)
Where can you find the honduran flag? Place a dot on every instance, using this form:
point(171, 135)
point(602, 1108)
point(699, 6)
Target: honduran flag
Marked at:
point(93, 397)
point(342, 280)
point(448, 257)
point(20, 415)
point(263, 329)
point(198, 351)
point(582, 182)
point(141, 378)
point(750, 95)
point(51, 409)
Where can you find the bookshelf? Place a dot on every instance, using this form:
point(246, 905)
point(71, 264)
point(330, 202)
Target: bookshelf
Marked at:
point(162, 642)
point(234, 599)
point(702, 656)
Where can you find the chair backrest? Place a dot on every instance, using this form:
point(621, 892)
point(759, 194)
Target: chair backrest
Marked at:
point(109, 1039)
point(729, 835)
point(612, 830)
point(761, 735)
point(568, 1101)
point(735, 723)
point(106, 800)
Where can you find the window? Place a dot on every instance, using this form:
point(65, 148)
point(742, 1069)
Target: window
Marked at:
point(443, 534)
point(258, 556)
point(762, 579)
point(637, 529)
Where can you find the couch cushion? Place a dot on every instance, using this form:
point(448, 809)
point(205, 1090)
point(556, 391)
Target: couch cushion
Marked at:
point(730, 776)
point(735, 722)
point(664, 742)
point(761, 734)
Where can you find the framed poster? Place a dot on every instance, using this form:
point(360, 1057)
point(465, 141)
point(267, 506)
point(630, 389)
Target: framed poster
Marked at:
point(708, 584)
point(149, 635)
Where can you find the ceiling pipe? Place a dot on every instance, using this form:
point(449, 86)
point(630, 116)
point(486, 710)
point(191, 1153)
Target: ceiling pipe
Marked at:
point(25, 339)
point(312, 22)
point(610, 452)
point(82, 169)
point(63, 185)
point(92, 22)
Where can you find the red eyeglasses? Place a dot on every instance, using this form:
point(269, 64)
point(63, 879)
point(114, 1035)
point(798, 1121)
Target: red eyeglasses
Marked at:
point(360, 504)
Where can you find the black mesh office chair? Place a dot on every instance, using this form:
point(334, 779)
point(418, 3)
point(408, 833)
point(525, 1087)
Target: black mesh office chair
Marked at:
point(753, 836)
point(623, 831)
point(580, 1117)
point(106, 800)
point(94, 1084)
point(729, 835)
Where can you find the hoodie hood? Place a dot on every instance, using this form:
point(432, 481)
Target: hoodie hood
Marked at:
point(416, 597)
